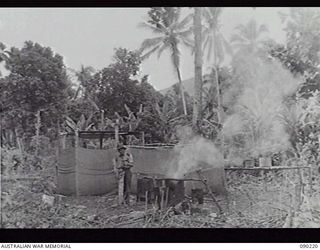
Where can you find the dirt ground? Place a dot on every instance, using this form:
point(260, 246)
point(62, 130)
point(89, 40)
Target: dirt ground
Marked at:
point(23, 207)
point(251, 203)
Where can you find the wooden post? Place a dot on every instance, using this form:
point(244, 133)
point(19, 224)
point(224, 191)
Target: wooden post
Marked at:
point(301, 187)
point(156, 203)
point(162, 190)
point(146, 202)
point(162, 197)
point(142, 138)
point(121, 189)
point(116, 131)
point(167, 197)
point(101, 141)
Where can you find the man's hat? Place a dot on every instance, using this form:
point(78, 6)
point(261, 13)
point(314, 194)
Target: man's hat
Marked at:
point(121, 146)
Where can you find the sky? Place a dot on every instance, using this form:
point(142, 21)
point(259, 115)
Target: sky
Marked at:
point(88, 36)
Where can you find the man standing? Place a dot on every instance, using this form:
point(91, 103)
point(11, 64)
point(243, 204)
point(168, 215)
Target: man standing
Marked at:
point(123, 164)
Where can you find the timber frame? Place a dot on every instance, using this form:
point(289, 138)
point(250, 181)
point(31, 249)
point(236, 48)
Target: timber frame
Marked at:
point(102, 134)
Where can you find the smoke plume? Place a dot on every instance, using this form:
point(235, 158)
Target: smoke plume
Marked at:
point(252, 127)
point(194, 152)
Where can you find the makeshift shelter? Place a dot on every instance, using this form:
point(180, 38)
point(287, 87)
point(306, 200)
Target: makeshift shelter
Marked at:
point(84, 171)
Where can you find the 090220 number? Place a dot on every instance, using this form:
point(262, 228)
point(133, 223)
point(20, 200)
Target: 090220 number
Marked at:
point(308, 245)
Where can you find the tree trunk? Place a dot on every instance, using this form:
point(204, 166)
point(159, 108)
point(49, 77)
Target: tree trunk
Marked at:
point(38, 125)
point(216, 78)
point(217, 86)
point(197, 104)
point(218, 96)
point(116, 131)
point(182, 91)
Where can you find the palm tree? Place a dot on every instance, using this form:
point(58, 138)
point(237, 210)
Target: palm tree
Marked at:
point(215, 44)
point(171, 33)
point(248, 39)
point(84, 75)
point(197, 104)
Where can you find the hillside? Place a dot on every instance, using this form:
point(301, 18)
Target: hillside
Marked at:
point(188, 85)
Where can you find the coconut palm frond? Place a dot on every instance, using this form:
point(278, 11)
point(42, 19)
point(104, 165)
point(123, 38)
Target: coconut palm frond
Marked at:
point(213, 36)
point(206, 40)
point(150, 43)
point(150, 52)
point(188, 43)
point(175, 33)
point(185, 34)
point(162, 48)
point(184, 22)
point(160, 29)
point(206, 13)
point(248, 36)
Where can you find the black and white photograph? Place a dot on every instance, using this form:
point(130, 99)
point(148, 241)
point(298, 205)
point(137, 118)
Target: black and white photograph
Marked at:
point(160, 117)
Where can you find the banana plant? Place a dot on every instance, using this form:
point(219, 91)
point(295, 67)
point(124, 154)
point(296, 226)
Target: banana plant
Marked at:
point(130, 122)
point(133, 120)
point(169, 120)
point(83, 123)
